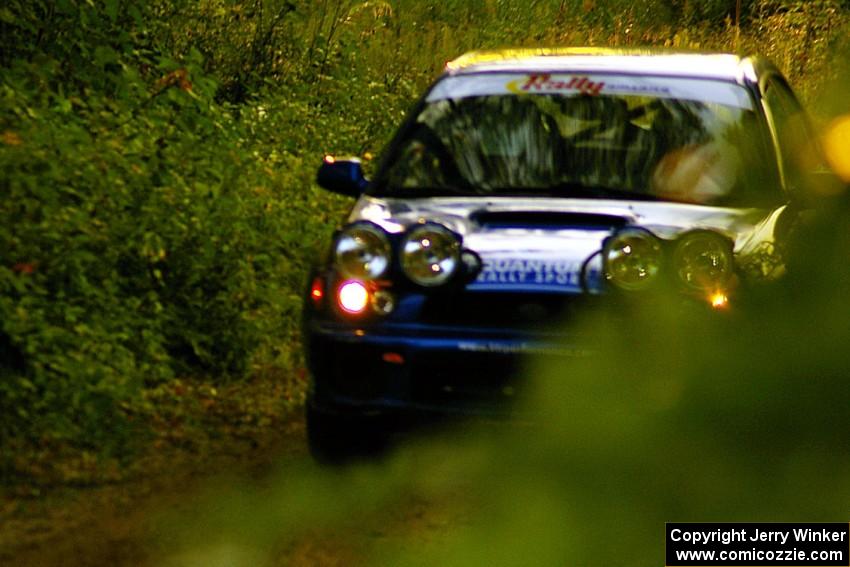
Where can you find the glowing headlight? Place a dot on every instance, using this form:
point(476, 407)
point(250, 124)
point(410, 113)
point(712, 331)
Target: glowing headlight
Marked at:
point(703, 260)
point(363, 252)
point(430, 255)
point(632, 259)
point(353, 296)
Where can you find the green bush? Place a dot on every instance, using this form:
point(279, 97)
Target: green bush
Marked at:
point(146, 229)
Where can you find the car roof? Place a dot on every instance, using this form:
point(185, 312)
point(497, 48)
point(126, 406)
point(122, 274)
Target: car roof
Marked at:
point(636, 61)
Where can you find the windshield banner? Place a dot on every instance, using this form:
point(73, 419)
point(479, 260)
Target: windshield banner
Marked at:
point(486, 84)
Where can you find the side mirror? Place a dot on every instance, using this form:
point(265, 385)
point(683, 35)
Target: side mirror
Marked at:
point(343, 176)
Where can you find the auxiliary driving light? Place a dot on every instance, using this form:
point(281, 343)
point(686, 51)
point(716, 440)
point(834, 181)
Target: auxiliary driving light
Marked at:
point(632, 259)
point(353, 296)
point(363, 251)
point(703, 260)
point(430, 255)
point(383, 302)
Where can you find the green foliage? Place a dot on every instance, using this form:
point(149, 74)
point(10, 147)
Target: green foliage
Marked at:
point(147, 231)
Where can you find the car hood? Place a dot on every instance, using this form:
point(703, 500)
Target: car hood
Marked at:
point(543, 244)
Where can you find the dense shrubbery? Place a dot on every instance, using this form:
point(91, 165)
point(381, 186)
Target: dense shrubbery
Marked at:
point(156, 162)
point(146, 229)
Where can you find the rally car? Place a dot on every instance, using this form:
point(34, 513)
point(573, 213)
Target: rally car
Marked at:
point(528, 187)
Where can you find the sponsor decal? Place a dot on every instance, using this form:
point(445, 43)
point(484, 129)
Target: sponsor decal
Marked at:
point(571, 84)
point(525, 348)
point(531, 272)
point(545, 83)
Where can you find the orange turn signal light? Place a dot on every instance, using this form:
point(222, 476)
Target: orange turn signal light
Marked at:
point(317, 291)
point(719, 300)
point(393, 358)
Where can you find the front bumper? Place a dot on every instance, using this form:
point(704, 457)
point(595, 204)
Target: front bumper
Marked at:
point(423, 370)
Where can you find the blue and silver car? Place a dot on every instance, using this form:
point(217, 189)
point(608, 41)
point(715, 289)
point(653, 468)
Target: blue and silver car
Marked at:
point(527, 187)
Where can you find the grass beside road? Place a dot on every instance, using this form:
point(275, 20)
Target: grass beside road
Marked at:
point(77, 509)
point(183, 420)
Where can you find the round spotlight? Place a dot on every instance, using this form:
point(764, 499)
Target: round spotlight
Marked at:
point(430, 255)
point(632, 259)
point(703, 260)
point(363, 252)
point(353, 297)
point(383, 302)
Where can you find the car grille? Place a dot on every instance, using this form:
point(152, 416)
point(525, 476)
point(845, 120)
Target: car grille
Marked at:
point(488, 380)
point(507, 310)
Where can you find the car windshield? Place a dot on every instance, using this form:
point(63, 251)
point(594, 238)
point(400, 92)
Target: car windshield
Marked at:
point(592, 136)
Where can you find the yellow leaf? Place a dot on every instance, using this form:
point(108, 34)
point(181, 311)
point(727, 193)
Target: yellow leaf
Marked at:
point(11, 138)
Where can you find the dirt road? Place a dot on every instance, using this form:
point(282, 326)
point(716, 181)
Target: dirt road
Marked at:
point(120, 524)
point(114, 524)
